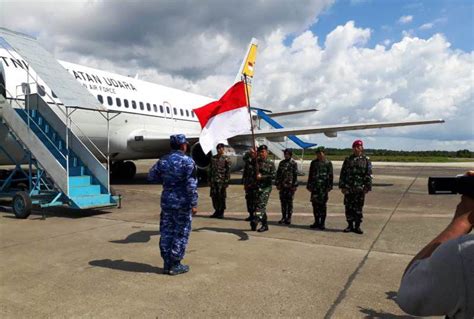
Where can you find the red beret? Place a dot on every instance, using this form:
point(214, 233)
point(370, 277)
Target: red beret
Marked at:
point(357, 143)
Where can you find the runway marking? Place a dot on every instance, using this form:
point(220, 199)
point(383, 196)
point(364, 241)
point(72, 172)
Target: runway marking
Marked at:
point(352, 277)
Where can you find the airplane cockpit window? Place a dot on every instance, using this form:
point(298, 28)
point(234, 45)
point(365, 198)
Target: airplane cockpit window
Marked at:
point(125, 103)
point(134, 104)
point(175, 111)
point(54, 95)
point(110, 101)
point(142, 107)
point(148, 107)
point(40, 90)
point(181, 111)
point(118, 101)
point(100, 98)
point(155, 109)
point(187, 113)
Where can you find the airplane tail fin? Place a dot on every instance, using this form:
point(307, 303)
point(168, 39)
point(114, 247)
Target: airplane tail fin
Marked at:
point(248, 65)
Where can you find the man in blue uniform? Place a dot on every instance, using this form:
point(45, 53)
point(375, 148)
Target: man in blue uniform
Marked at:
point(177, 172)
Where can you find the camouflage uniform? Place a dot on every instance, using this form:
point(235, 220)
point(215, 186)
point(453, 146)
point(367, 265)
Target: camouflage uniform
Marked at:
point(263, 189)
point(219, 177)
point(356, 177)
point(250, 183)
point(320, 182)
point(177, 172)
point(286, 181)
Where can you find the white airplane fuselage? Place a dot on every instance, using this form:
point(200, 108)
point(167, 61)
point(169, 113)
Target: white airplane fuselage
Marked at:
point(148, 110)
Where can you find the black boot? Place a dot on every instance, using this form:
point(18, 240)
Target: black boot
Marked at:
point(288, 220)
point(216, 213)
point(220, 214)
point(322, 221)
point(263, 228)
point(349, 227)
point(250, 218)
point(283, 218)
point(357, 229)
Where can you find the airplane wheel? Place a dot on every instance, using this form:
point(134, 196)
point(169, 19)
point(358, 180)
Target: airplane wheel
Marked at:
point(21, 205)
point(128, 170)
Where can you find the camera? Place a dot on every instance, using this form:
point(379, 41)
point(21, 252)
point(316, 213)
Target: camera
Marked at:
point(460, 184)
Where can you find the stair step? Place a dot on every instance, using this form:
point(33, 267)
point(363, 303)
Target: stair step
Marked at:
point(77, 171)
point(80, 191)
point(93, 201)
point(84, 180)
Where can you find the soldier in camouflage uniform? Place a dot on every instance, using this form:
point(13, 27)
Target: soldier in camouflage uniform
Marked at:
point(179, 197)
point(320, 182)
point(250, 182)
point(219, 177)
point(286, 182)
point(265, 176)
point(355, 181)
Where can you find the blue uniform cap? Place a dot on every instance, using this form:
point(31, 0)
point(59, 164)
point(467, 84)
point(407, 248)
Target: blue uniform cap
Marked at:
point(177, 140)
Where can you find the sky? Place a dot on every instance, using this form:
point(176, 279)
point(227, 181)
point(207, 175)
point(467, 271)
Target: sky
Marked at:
point(356, 61)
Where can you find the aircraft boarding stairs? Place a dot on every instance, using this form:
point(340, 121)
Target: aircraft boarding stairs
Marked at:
point(79, 177)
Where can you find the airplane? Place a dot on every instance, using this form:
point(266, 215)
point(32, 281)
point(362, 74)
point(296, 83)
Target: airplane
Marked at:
point(146, 114)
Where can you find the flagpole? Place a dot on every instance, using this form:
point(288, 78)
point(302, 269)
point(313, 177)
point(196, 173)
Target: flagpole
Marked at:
point(250, 112)
point(254, 144)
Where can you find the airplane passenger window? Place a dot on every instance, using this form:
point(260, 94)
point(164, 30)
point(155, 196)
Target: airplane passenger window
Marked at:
point(109, 100)
point(134, 104)
point(125, 103)
point(148, 107)
point(161, 108)
point(100, 98)
point(192, 113)
point(155, 109)
point(181, 111)
point(118, 101)
point(187, 113)
point(175, 111)
point(142, 107)
point(167, 109)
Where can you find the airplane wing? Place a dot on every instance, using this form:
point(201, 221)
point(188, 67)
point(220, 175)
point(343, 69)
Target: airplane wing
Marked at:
point(277, 114)
point(331, 130)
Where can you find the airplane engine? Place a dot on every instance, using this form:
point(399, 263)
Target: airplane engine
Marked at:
point(202, 160)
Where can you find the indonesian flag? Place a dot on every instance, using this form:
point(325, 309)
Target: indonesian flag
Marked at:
point(224, 118)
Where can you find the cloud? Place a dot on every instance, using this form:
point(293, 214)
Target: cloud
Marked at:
point(183, 37)
point(350, 83)
point(405, 19)
point(426, 26)
point(186, 45)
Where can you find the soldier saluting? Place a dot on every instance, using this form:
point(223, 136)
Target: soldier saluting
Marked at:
point(219, 177)
point(355, 181)
point(265, 175)
point(320, 182)
point(286, 182)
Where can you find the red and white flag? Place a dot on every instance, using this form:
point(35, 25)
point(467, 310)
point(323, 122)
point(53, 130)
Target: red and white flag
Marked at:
point(224, 118)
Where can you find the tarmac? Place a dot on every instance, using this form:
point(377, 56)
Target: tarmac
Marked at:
point(99, 264)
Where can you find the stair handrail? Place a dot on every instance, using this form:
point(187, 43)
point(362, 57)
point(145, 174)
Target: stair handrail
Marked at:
point(58, 105)
point(36, 124)
point(61, 110)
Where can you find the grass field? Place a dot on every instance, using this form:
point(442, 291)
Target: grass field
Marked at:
point(400, 158)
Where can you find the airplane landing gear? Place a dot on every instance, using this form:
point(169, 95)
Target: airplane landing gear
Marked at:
point(123, 170)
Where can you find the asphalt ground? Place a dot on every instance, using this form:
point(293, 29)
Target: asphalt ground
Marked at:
point(107, 263)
